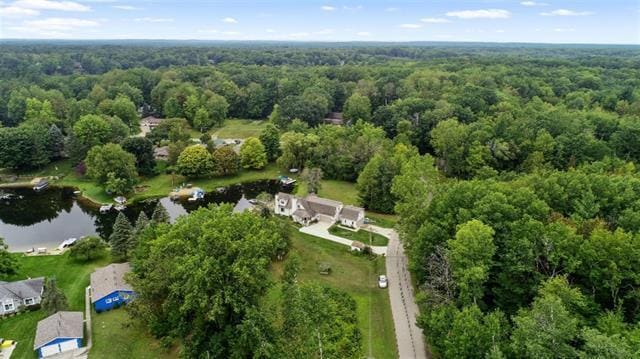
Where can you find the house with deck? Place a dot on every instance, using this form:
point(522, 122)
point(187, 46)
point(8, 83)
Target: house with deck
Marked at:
point(19, 295)
point(58, 333)
point(312, 209)
point(108, 287)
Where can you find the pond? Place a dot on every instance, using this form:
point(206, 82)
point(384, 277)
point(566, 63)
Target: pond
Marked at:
point(30, 219)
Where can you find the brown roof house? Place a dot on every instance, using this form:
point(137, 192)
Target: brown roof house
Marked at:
point(60, 332)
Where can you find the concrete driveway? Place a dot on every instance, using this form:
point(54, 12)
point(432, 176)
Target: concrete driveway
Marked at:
point(321, 229)
point(403, 304)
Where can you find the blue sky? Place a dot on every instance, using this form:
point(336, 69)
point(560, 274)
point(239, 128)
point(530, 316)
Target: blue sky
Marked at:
point(549, 21)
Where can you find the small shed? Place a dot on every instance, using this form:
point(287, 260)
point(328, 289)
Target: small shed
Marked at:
point(59, 333)
point(108, 287)
point(243, 205)
point(357, 246)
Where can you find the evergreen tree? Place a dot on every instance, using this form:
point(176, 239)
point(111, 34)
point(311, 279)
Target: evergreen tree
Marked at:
point(160, 215)
point(142, 222)
point(53, 299)
point(55, 142)
point(120, 238)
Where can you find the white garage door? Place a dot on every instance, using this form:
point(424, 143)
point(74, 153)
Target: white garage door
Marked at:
point(50, 350)
point(68, 345)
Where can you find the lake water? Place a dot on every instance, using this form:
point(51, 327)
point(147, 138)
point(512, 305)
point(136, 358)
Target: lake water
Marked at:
point(44, 219)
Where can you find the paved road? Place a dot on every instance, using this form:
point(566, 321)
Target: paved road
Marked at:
point(403, 305)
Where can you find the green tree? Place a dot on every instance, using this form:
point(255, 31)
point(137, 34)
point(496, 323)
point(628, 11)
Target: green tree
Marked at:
point(357, 107)
point(160, 215)
point(23, 147)
point(226, 161)
point(111, 163)
point(55, 142)
point(123, 108)
point(191, 105)
point(92, 130)
point(202, 120)
point(53, 299)
point(87, 249)
point(141, 223)
point(313, 178)
point(121, 238)
point(276, 118)
point(270, 138)
point(216, 277)
point(449, 140)
point(142, 149)
point(172, 108)
point(8, 263)
point(253, 154)
point(470, 255)
point(195, 161)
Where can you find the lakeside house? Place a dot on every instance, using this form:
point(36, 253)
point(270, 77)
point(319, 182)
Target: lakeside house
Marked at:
point(60, 332)
point(108, 287)
point(22, 294)
point(334, 118)
point(312, 209)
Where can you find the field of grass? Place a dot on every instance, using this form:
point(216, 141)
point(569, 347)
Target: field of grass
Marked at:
point(71, 277)
point(238, 128)
point(356, 275)
point(362, 235)
point(115, 335)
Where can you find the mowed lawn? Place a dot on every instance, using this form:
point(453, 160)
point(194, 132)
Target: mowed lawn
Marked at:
point(71, 277)
point(239, 128)
point(354, 274)
point(362, 235)
point(116, 335)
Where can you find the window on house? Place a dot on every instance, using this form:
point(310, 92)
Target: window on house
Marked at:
point(28, 301)
point(108, 301)
point(116, 299)
point(8, 306)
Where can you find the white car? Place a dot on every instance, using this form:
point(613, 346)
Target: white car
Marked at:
point(382, 281)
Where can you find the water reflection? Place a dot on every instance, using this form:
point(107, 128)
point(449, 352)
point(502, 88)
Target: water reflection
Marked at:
point(44, 219)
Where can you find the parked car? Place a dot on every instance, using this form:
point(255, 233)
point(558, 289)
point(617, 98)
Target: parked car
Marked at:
point(382, 281)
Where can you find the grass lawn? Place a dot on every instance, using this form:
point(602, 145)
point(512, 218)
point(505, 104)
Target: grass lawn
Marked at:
point(115, 335)
point(72, 278)
point(238, 128)
point(356, 275)
point(362, 235)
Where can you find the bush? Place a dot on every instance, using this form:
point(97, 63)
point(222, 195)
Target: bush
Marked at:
point(88, 249)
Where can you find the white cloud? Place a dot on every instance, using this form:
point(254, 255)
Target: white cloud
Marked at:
point(500, 31)
point(363, 33)
point(327, 8)
point(25, 31)
point(230, 33)
point(480, 14)
point(51, 5)
point(434, 20)
point(298, 35)
point(15, 12)
point(59, 23)
point(125, 7)
point(565, 12)
point(230, 20)
point(564, 29)
point(391, 9)
point(533, 3)
point(410, 26)
point(154, 19)
point(270, 31)
point(352, 8)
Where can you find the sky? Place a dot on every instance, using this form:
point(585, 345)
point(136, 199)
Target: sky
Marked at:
point(543, 21)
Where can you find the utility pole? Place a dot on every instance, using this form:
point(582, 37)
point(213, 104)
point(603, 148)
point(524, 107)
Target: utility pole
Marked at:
point(319, 343)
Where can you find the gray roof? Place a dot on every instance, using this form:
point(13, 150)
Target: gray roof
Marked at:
point(242, 205)
point(351, 212)
point(322, 205)
point(59, 325)
point(152, 120)
point(303, 213)
point(109, 279)
point(22, 289)
point(288, 198)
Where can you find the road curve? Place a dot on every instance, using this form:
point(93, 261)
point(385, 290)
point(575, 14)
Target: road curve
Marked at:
point(403, 304)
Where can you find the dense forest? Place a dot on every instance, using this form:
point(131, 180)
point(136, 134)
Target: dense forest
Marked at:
point(513, 170)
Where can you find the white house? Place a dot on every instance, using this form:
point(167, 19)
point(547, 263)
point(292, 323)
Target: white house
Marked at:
point(352, 216)
point(20, 294)
point(313, 209)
